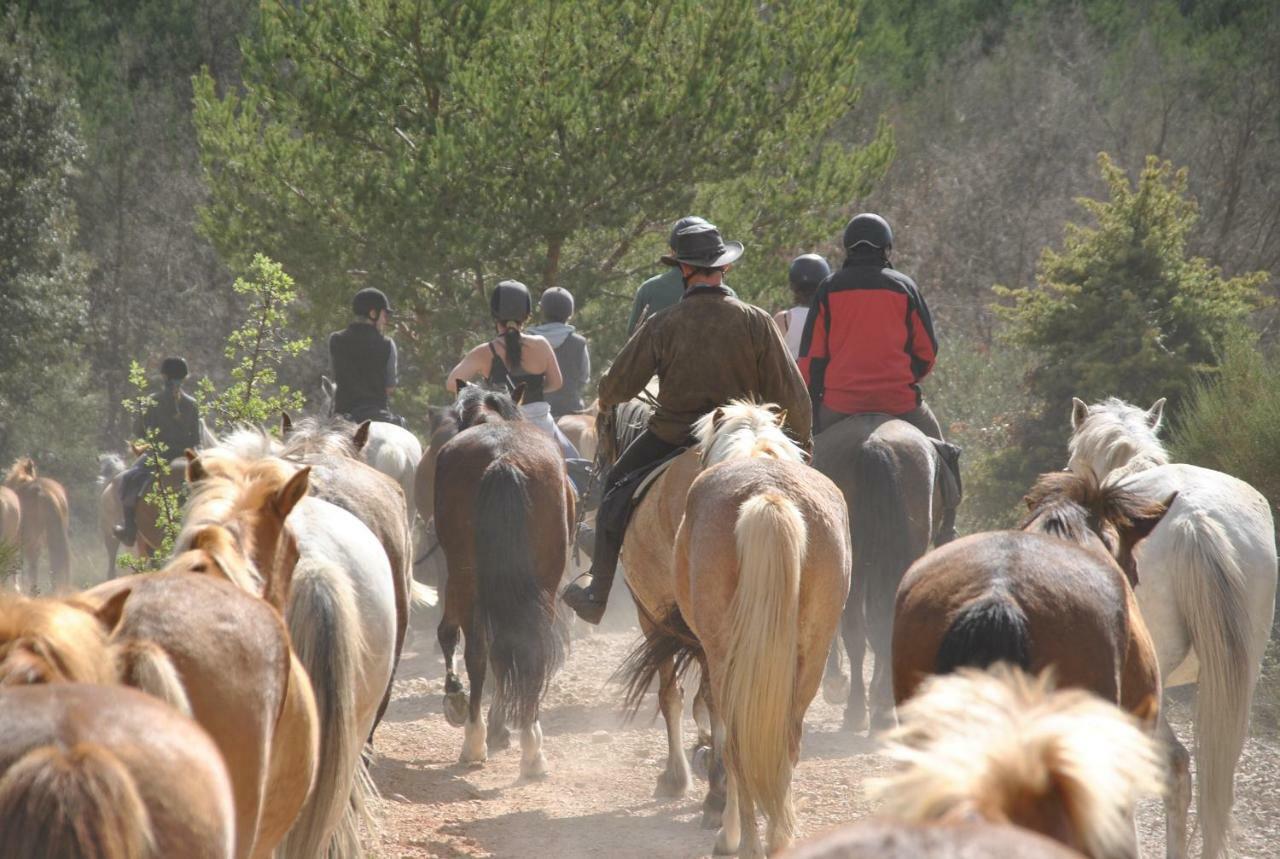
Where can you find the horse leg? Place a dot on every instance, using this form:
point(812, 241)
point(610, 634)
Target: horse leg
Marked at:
point(31, 567)
point(476, 655)
point(715, 805)
point(879, 624)
point(1177, 800)
point(835, 683)
point(702, 712)
point(498, 736)
point(853, 631)
point(780, 833)
point(729, 837)
point(532, 762)
point(675, 779)
point(455, 697)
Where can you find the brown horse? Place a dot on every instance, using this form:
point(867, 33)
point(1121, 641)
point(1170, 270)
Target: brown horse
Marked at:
point(43, 507)
point(106, 771)
point(580, 429)
point(504, 513)
point(1000, 765)
point(889, 473)
point(762, 572)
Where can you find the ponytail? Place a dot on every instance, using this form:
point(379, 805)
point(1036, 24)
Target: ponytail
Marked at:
point(511, 339)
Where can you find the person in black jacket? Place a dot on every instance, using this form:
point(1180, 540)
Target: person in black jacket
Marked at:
point(365, 362)
point(570, 348)
point(175, 419)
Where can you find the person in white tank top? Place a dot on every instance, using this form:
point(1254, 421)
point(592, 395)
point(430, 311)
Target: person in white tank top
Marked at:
point(807, 272)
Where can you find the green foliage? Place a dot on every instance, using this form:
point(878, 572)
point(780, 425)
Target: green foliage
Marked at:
point(1231, 421)
point(256, 350)
point(430, 149)
point(166, 501)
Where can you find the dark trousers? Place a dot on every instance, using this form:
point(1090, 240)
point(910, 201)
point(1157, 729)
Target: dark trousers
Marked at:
point(133, 485)
point(615, 508)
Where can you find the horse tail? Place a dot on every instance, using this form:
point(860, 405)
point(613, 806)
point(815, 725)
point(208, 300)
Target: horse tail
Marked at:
point(988, 630)
point(757, 697)
point(56, 536)
point(324, 625)
point(516, 616)
point(880, 528)
point(79, 803)
point(1208, 586)
point(423, 596)
point(145, 665)
point(668, 638)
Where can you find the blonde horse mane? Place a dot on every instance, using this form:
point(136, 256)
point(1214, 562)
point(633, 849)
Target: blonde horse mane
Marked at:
point(45, 640)
point(744, 429)
point(1116, 435)
point(1001, 744)
point(22, 472)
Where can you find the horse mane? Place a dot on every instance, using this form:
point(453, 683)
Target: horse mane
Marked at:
point(481, 403)
point(45, 640)
point(1117, 435)
point(1068, 505)
point(332, 437)
point(744, 429)
point(22, 472)
point(1002, 744)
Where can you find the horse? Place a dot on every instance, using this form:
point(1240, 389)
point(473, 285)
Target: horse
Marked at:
point(88, 770)
point(1000, 764)
point(174, 634)
point(42, 506)
point(110, 510)
point(1207, 592)
point(504, 510)
point(330, 578)
point(890, 474)
point(762, 573)
point(580, 429)
point(10, 516)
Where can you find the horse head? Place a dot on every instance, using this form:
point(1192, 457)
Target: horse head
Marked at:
point(743, 429)
point(1113, 435)
point(47, 640)
point(1105, 516)
point(21, 473)
point(477, 404)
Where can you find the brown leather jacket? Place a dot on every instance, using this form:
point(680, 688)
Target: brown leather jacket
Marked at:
point(707, 349)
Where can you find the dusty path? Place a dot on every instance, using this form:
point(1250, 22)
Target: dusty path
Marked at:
point(598, 799)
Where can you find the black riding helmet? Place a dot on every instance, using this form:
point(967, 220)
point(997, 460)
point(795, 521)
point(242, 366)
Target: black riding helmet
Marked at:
point(807, 271)
point(510, 301)
point(868, 229)
point(557, 304)
point(368, 300)
point(173, 369)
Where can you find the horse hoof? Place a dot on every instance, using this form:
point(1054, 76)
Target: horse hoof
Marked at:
point(534, 770)
point(854, 723)
point(723, 847)
point(455, 708)
point(711, 819)
point(499, 741)
point(671, 786)
point(835, 691)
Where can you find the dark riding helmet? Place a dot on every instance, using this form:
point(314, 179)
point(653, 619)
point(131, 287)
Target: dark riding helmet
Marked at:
point(510, 301)
point(807, 271)
point(868, 229)
point(368, 300)
point(557, 304)
point(173, 369)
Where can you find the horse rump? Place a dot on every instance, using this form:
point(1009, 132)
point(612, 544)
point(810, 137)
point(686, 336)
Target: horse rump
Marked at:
point(516, 617)
point(986, 631)
point(668, 638)
point(78, 803)
point(880, 526)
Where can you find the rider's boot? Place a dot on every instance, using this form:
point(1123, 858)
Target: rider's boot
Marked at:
point(127, 533)
point(953, 492)
point(590, 602)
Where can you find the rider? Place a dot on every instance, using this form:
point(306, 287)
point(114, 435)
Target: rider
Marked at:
point(175, 419)
point(869, 342)
point(514, 358)
point(749, 361)
point(807, 271)
point(365, 361)
point(570, 348)
point(664, 290)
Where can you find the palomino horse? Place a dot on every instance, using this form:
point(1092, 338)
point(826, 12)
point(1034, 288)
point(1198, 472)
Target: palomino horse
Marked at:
point(174, 635)
point(504, 510)
point(580, 429)
point(762, 572)
point(889, 473)
point(329, 576)
point(89, 770)
point(42, 505)
point(111, 512)
point(989, 761)
point(10, 516)
point(1207, 591)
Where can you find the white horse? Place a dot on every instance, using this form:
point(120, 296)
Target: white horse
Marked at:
point(1207, 587)
point(393, 450)
point(341, 614)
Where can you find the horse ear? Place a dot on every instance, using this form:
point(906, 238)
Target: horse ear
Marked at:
point(1079, 411)
point(717, 417)
point(462, 384)
point(361, 438)
point(1156, 413)
point(111, 611)
point(781, 417)
point(517, 395)
point(286, 424)
point(288, 496)
point(1139, 527)
point(195, 468)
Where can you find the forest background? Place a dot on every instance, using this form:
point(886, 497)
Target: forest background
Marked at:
point(431, 148)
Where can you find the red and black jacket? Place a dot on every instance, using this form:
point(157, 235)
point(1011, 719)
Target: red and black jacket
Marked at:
point(868, 339)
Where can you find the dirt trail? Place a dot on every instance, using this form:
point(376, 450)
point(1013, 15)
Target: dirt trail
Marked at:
point(598, 800)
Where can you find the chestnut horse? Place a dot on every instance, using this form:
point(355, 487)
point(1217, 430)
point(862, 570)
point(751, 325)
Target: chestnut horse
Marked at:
point(328, 575)
point(761, 572)
point(174, 635)
point(1207, 592)
point(89, 770)
point(504, 511)
point(889, 473)
point(10, 516)
point(43, 509)
point(999, 765)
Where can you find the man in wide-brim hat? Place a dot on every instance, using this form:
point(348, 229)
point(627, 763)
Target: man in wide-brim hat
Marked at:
point(707, 349)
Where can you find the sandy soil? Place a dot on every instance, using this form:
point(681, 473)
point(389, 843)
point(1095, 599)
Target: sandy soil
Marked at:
point(598, 800)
